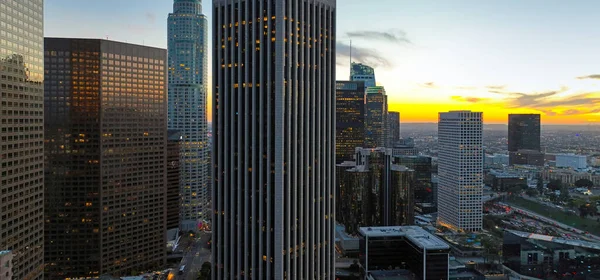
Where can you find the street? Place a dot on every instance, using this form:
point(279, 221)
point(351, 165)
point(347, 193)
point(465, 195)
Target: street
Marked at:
point(195, 254)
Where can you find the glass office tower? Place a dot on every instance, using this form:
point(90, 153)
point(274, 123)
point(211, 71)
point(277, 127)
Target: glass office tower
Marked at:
point(274, 139)
point(106, 163)
point(350, 119)
point(22, 135)
point(187, 50)
point(376, 117)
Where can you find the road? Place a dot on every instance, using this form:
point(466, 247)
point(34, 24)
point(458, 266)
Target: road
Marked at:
point(195, 254)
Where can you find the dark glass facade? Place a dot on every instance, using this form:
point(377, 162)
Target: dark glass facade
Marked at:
point(362, 72)
point(423, 191)
point(173, 198)
point(22, 136)
point(349, 118)
point(274, 139)
point(105, 147)
point(393, 129)
point(523, 132)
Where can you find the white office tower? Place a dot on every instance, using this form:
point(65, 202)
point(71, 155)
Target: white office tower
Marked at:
point(460, 170)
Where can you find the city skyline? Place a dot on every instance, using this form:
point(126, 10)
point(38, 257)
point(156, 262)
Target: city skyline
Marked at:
point(497, 57)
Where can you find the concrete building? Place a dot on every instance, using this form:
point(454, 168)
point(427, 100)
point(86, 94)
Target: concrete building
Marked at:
point(571, 161)
point(423, 253)
point(496, 160)
point(376, 117)
point(274, 139)
point(6, 265)
point(460, 170)
point(188, 86)
point(22, 135)
point(374, 191)
point(350, 119)
point(526, 157)
point(405, 147)
point(105, 149)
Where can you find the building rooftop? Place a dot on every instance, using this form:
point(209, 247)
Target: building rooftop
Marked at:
point(5, 252)
point(347, 164)
point(547, 238)
point(400, 274)
point(415, 234)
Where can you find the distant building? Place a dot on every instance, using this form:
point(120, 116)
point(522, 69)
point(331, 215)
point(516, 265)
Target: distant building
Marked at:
point(393, 128)
point(460, 170)
point(374, 191)
point(350, 119)
point(503, 181)
point(362, 72)
point(173, 177)
point(526, 157)
point(548, 257)
point(523, 133)
point(496, 160)
point(571, 161)
point(376, 117)
point(6, 265)
point(423, 253)
point(405, 147)
point(105, 149)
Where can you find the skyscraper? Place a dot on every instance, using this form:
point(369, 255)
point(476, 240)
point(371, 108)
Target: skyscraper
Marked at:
point(376, 117)
point(105, 149)
point(350, 119)
point(173, 176)
point(22, 135)
point(393, 128)
point(362, 72)
point(523, 132)
point(274, 139)
point(460, 170)
point(524, 139)
point(188, 84)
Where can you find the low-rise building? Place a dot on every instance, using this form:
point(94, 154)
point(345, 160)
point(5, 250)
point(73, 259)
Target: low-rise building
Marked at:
point(6, 265)
point(571, 161)
point(503, 181)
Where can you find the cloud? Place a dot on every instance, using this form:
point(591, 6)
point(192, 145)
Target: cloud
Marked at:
point(496, 87)
point(150, 17)
point(593, 76)
point(395, 36)
point(469, 99)
point(367, 56)
point(429, 85)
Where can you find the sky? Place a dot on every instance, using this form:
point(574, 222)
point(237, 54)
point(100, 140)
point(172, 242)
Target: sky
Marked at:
point(494, 56)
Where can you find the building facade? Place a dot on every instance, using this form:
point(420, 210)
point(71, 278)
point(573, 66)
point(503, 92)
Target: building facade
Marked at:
point(376, 117)
point(188, 85)
point(173, 177)
point(393, 128)
point(362, 72)
point(350, 119)
point(523, 132)
point(6, 265)
point(105, 148)
point(460, 170)
point(274, 139)
point(571, 161)
point(423, 253)
point(22, 135)
point(373, 191)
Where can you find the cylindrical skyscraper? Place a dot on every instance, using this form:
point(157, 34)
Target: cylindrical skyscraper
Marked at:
point(187, 56)
point(274, 139)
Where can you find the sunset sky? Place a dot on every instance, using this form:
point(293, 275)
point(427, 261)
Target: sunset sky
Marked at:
point(496, 56)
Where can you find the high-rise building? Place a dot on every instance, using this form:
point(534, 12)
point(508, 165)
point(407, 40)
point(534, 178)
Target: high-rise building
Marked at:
point(350, 119)
point(524, 139)
point(523, 132)
point(373, 191)
point(393, 128)
point(105, 149)
point(188, 84)
point(362, 72)
point(376, 117)
point(423, 191)
point(274, 139)
point(173, 177)
point(22, 135)
point(460, 170)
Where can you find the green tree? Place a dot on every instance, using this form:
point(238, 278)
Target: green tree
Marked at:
point(204, 273)
point(564, 194)
point(540, 184)
point(554, 185)
point(531, 192)
point(584, 183)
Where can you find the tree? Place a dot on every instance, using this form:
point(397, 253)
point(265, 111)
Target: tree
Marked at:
point(584, 183)
point(515, 190)
point(555, 185)
point(564, 194)
point(531, 192)
point(540, 184)
point(204, 273)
